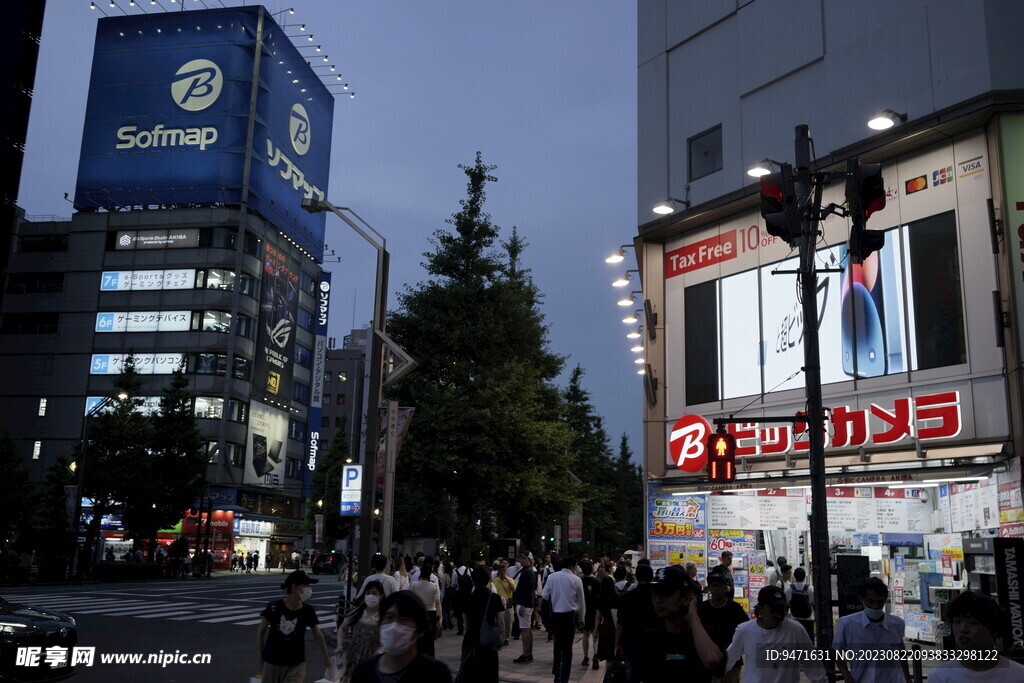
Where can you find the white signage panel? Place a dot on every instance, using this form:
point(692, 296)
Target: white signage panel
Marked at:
point(145, 363)
point(144, 321)
point(147, 280)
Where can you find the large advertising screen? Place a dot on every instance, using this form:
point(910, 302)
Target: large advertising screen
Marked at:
point(169, 112)
point(266, 445)
point(275, 341)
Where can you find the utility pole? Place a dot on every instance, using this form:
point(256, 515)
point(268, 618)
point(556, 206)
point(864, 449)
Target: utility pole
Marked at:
point(810, 208)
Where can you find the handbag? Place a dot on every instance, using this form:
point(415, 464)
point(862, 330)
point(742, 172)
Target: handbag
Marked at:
point(616, 672)
point(490, 636)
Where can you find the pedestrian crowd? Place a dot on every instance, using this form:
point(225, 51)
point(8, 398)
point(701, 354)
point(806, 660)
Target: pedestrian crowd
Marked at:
point(644, 626)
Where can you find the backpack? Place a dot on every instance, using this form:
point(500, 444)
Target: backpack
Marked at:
point(800, 604)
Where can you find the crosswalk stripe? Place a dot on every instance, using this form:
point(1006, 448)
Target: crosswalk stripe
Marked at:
point(248, 623)
point(72, 607)
point(240, 614)
point(220, 619)
point(113, 609)
point(77, 601)
point(159, 614)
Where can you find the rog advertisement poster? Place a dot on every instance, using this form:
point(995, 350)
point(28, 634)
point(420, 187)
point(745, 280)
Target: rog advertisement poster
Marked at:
point(266, 441)
point(275, 341)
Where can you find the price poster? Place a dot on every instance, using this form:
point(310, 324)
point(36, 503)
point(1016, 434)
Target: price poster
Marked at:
point(733, 540)
point(899, 575)
point(673, 522)
point(757, 573)
point(676, 553)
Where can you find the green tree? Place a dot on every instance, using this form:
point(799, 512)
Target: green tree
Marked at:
point(54, 537)
point(629, 503)
point(18, 499)
point(171, 473)
point(488, 439)
point(117, 441)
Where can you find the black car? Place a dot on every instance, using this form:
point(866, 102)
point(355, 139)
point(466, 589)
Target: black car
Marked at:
point(33, 627)
point(328, 563)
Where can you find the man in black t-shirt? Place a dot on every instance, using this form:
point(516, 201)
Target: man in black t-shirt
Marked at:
point(636, 615)
point(591, 587)
point(525, 601)
point(720, 615)
point(281, 634)
point(677, 647)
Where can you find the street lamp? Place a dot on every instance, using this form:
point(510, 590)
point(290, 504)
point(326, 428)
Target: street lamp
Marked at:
point(377, 377)
point(78, 467)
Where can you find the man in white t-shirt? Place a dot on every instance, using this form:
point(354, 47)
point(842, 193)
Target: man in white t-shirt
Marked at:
point(379, 564)
point(978, 625)
point(771, 633)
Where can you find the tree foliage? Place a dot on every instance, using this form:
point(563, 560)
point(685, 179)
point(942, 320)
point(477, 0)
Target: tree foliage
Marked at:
point(17, 495)
point(488, 440)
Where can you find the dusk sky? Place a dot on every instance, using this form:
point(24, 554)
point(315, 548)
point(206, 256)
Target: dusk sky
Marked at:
point(545, 90)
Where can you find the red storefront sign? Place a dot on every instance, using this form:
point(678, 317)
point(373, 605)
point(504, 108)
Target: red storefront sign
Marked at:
point(701, 254)
point(930, 417)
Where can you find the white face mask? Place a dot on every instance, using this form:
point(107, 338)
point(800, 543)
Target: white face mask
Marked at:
point(372, 600)
point(396, 639)
point(305, 593)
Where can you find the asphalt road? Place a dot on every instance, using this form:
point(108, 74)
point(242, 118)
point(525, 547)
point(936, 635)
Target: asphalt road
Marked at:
point(215, 616)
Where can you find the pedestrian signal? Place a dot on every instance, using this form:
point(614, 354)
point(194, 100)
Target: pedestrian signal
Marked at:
point(721, 458)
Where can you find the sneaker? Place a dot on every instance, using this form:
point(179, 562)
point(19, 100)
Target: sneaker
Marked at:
point(585, 662)
point(506, 644)
point(522, 659)
point(595, 665)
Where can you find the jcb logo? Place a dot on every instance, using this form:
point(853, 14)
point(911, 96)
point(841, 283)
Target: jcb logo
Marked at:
point(198, 85)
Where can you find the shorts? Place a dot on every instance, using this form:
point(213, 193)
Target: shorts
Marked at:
point(589, 621)
point(524, 614)
point(274, 673)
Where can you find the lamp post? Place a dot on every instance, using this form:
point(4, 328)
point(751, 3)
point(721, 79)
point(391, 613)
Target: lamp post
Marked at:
point(79, 469)
point(376, 365)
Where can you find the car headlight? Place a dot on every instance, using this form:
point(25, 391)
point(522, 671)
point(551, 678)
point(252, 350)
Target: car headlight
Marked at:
point(70, 619)
point(15, 628)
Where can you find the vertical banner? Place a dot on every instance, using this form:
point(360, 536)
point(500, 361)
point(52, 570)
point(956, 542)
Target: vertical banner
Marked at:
point(899, 577)
point(1011, 157)
point(757, 576)
point(316, 389)
point(319, 520)
point(576, 525)
point(1009, 561)
point(268, 434)
point(275, 342)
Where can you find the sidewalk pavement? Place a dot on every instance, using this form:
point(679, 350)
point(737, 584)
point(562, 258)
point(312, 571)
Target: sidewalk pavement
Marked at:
point(448, 649)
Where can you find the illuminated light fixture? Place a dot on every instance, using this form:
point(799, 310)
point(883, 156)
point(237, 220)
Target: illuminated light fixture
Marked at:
point(310, 36)
point(953, 479)
point(295, 80)
point(352, 95)
point(886, 120)
point(624, 280)
point(628, 300)
point(339, 77)
point(619, 256)
point(112, 3)
point(318, 50)
point(635, 334)
point(761, 168)
point(914, 485)
point(641, 371)
point(639, 361)
point(302, 27)
point(670, 205)
point(632, 318)
point(131, 3)
point(637, 349)
point(73, 466)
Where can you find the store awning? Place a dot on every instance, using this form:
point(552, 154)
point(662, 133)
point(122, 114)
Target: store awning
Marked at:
point(237, 509)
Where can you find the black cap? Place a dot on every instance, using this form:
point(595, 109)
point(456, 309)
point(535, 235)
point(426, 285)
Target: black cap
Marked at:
point(298, 577)
point(674, 579)
point(772, 596)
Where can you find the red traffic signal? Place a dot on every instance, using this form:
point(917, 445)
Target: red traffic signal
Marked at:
point(721, 458)
point(865, 194)
point(778, 205)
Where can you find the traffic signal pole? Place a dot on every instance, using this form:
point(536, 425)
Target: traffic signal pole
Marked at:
point(812, 377)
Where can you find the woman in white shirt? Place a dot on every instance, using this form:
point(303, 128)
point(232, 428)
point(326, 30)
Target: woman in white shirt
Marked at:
point(401, 576)
point(429, 594)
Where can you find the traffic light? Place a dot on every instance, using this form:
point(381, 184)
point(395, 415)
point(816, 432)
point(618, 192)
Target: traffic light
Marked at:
point(865, 194)
point(778, 205)
point(721, 458)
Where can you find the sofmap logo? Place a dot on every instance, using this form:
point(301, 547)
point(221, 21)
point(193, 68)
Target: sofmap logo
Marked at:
point(198, 86)
point(325, 289)
point(298, 129)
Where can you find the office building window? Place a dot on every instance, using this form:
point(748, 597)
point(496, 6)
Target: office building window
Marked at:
point(300, 392)
point(342, 376)
point(212, 452)
point(211, 321)
point(235, 454)
point(303, 355)
point(238, 411)
point(246, 326)
point(215, 278)
point(297, 430)
point(42, 407)
point(327, 377)
point(308, 283)
point(325, 422)
point(37, 243)
point(35, 283)
point(252, 244)
point(209, 407)
point(338, 422)
point(341, 399)
point(705, 153)
point(37, 451)
point(326, 400)
point(305, 319)
point(292, 467)
point(210, 364)
point(242, 368)
point(29, 323)
point(248, 285)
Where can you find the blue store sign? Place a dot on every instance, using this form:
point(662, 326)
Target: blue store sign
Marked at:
point(169, 115)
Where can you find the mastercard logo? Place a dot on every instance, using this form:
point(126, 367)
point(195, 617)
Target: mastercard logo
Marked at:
point(917, 184)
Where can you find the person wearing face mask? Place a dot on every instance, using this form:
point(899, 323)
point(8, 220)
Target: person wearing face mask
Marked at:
point(280, 637)
point(403, 620)
point(772, 631)
point(359, 637)
point(871, 629)
point(979, 626)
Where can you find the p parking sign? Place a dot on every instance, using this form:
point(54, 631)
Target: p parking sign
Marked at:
point(351, 490)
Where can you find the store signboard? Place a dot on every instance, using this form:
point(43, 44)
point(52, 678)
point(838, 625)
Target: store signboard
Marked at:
point(145, 363)
point(351, 491)
point(149, 405)
point(266, 444)
point(147, 280)
point(131, 240)
point(170, 121)
point(144, 321)
point(319, 361)
point(259, 528)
